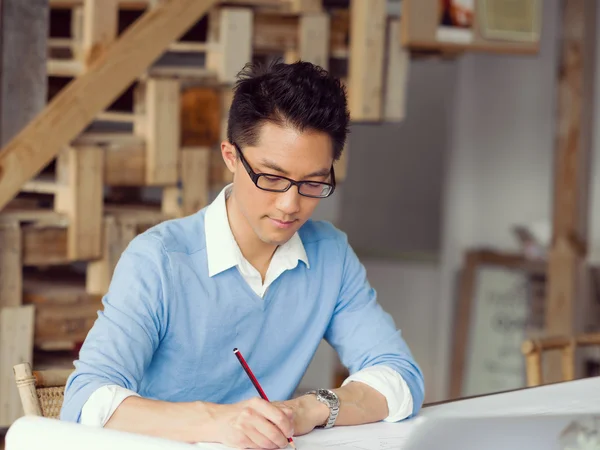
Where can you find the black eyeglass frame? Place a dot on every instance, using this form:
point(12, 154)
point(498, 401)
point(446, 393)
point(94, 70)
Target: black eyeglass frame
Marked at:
point(254, 176)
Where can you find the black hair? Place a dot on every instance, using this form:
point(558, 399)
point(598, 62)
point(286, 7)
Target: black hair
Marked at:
point(302, 95)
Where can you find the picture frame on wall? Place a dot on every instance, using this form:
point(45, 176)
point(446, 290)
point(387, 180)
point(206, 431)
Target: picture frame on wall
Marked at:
point(500, 304)
point(454, 26)
point(510, 20)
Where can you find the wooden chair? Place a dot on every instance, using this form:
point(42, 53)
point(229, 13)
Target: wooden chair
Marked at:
point(533, 350)
point(41, 391)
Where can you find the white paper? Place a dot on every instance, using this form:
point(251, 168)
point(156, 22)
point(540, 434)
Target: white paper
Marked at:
point(575, 397)
point(375, 436)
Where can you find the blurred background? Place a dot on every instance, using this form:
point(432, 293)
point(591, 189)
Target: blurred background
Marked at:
point(467, 186)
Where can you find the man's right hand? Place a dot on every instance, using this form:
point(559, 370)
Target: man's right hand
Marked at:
point(253, 423)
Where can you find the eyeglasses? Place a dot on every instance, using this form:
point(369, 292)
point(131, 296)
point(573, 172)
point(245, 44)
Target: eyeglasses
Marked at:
point(278, 183)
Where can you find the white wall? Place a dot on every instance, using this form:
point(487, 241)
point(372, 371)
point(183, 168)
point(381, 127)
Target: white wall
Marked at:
point(499, 168)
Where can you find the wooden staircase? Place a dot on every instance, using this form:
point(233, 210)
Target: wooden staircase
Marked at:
point(138, 96)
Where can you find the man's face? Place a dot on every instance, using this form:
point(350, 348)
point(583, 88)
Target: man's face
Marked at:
point(275, 216)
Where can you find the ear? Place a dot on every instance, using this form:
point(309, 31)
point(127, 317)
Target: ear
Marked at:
point(229, 154)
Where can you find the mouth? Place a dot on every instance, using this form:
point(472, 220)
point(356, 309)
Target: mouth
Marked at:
point(283, 224)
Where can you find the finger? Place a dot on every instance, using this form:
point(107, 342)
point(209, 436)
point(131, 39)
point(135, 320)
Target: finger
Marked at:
point(265, 434)
point(275, 415)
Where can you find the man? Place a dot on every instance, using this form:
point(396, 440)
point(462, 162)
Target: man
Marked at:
point(251, 271)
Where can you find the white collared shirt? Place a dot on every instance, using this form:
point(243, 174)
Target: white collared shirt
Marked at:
point(223, 253)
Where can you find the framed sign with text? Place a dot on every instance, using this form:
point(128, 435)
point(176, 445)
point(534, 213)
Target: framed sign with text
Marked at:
point(501, 303)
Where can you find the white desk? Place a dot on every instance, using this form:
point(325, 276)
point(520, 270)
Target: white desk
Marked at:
point(531, 419)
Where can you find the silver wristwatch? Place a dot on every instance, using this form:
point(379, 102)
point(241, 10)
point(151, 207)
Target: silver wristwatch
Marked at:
point(332, 401)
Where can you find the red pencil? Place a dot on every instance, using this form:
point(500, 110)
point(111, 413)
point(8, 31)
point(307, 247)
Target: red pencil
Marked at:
point(255, 382)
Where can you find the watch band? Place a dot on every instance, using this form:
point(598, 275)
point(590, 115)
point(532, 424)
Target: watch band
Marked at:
point(330, 399)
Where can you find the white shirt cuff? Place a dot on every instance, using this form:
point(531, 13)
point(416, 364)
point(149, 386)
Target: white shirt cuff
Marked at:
point(391, 385)
point(102, 404)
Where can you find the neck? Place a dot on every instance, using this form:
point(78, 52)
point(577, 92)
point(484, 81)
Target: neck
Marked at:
point(257, 252)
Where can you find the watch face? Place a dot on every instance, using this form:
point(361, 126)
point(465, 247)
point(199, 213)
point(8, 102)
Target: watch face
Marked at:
point(327, 395)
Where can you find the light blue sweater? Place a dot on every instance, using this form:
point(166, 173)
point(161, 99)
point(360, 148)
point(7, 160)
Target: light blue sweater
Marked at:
point(168, 330)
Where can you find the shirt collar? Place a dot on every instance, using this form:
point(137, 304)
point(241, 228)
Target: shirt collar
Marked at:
point(222, 249)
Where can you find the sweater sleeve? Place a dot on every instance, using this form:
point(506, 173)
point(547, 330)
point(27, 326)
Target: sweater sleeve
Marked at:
point(127, 332)
point(364, 335)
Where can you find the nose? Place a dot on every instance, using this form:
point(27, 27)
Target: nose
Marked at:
point(289, 202)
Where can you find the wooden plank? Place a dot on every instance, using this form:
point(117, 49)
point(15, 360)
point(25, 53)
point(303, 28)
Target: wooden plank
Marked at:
point(45, 245)
point(313, 40)
point(200, 116)
point(230, 35)
point(125, 165)
point(75, 106)
point(117, 235)
point(566, 306)
point(100, 27)
point(11, 273)
point(23, 84)
point(397, 68)
point(162, 130)
point(273, 33)
point(16, 347)
point(82, 200)
point(193, 192)
point(365, 70)
point(306, 6)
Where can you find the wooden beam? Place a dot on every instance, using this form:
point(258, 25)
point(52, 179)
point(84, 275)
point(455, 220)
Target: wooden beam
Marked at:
point(80, 171)
point(365, 70)
point(193, 192)
point(45, 245)
point(397, 68)
point(75, 106)
point(23, 84)
point(11, 269)
point(162, 130)
point(16, 346)
point(100, 27)
point(313, 40)
point(567, 307)
point(230, 36)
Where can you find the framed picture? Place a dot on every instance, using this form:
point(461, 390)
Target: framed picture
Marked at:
point(492, 26)
point(501, 303)
point(510, 20)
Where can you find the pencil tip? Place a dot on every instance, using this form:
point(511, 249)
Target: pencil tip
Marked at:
point(292, 444)
point(235, 350)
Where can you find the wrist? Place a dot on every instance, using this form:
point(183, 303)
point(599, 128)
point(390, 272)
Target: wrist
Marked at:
point(318, 411)
point(202, 419)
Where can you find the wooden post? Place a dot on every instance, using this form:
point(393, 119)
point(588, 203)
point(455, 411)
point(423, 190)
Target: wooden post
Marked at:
point(313, 40)
point(100, 25)
point(193, 192)
point(365, 70)
point(16, 346)
point(99, 273)
point(230, 37)
point(81, 198)
point(397, 67)
point(161, 116)
point(11, 269)
point(565, 306)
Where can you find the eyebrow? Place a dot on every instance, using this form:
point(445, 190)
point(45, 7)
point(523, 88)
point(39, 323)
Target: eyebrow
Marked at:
point(273, 166)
